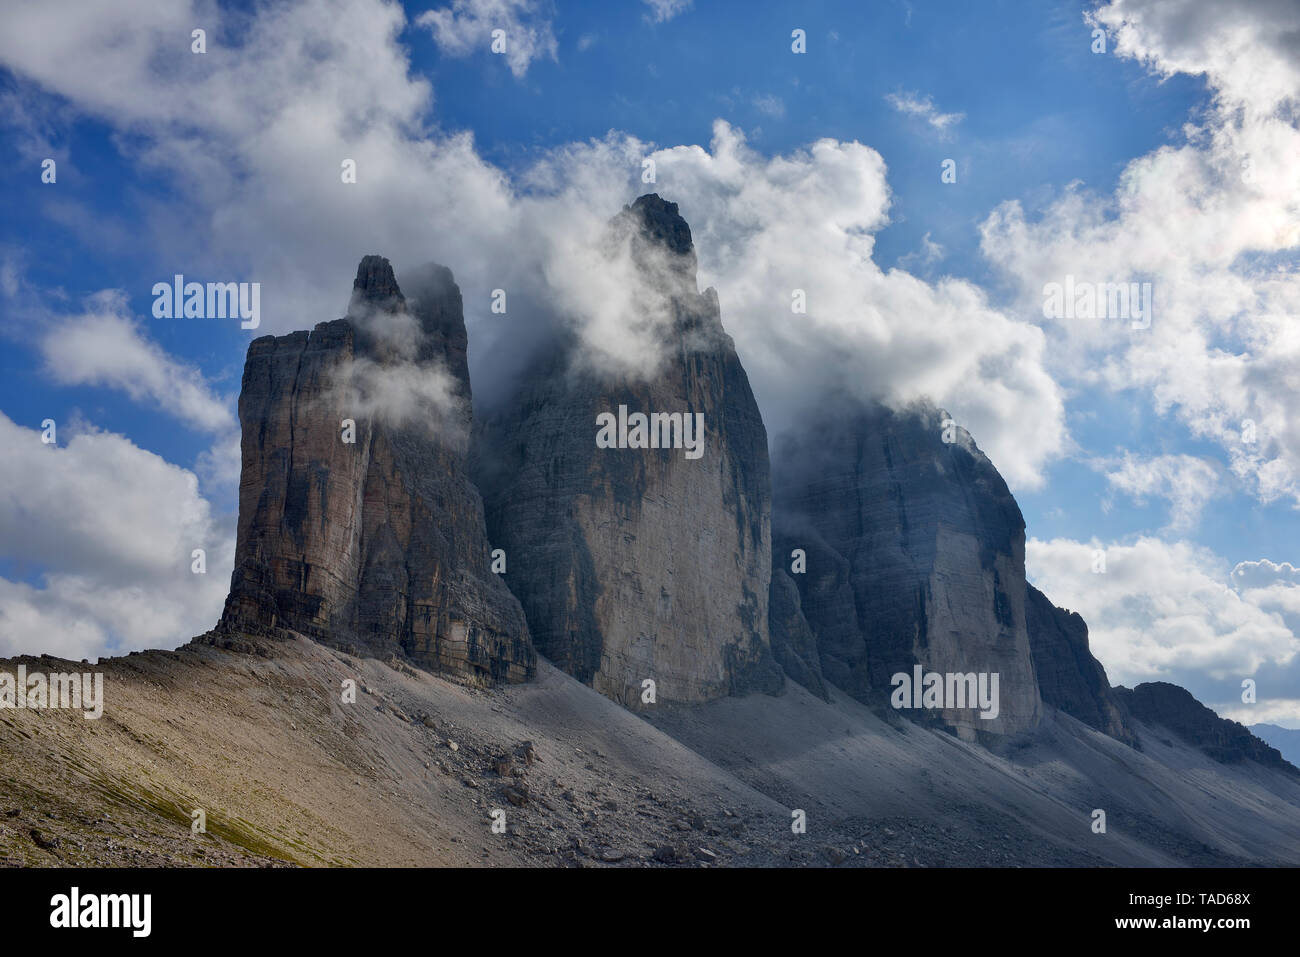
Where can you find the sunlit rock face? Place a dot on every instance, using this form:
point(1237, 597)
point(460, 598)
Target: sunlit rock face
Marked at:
point(358, 524)
point(638, 564)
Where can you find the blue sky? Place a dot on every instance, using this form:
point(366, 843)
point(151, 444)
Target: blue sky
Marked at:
point(1067, 160)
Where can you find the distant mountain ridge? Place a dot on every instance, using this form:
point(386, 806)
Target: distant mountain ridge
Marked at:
point(1172, 707)
point(1286, 740)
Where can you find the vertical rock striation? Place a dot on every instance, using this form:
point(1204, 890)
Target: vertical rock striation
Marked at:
point(629, 559)
point(794, 646)
point(640, 563)
point(1069, 677)
point(915, 555)
point(378, 543)
point(914, 551)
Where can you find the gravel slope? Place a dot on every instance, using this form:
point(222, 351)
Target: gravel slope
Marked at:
point(255, 734)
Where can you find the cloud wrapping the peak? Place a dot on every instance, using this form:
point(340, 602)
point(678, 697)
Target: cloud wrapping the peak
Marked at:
point(246, 144)
point(305, 86)
point(768, 227)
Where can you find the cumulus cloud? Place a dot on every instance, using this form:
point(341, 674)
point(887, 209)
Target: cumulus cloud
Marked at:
point(104, 346)
point(1252, 57)
point(1275, 588)
point(913, 104)
point(1186, 482)
point(1212, 223)
point(107, 531)
point(1271, 585)
point(469, 26)
point(766, 227)
point(253, 139)
point(1168, 611)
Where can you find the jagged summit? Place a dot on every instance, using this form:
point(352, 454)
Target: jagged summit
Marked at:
point(1069, 677)
point(661, 245)
point(433, 297)
point(358, 525)
point(375, 287)
point(640, 564)
point(661, 221)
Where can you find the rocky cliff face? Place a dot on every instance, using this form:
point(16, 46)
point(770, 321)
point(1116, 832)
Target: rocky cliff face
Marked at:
point(1174, 708)
point(1069, 677)
point(794, 645)
point(914, 555)
point(358, 524)
point(640, 563)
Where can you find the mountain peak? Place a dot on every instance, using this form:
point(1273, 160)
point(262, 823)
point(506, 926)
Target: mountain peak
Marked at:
point(660, 221)
point(375, 285)
point(358, 525)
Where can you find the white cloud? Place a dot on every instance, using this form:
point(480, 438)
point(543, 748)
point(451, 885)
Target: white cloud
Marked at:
point(1250, 53)
point(253, 142)
point(1186, 482)
point(913, 104)
point(1284, 712)
point(929, 253)
point(110, 530)
point(765, 227)
point(1271, 585)
point(104, 346)
point(663, 10)
point(1264, 572)
point(1164, 611)
point(468, 26)
point(218, 466)
point(1213, 224)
